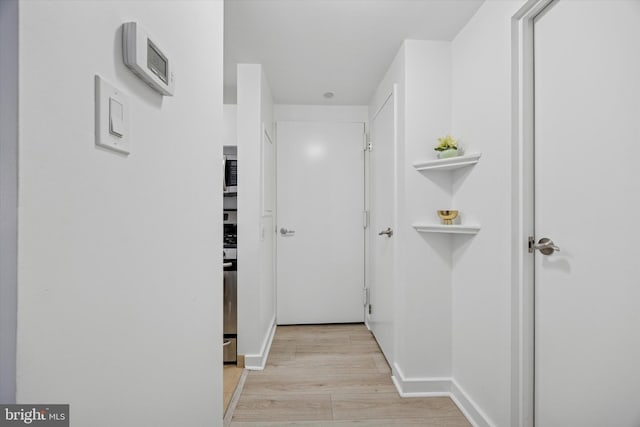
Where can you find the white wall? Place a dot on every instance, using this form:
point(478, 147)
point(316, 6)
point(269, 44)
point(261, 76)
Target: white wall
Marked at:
point(321, 113)
point(481, 266)
point(8, 196)
point(120, 282)
point(256, 284)
point(230, 126)
point(453, 293)
point(422, 278)
point(425, 260)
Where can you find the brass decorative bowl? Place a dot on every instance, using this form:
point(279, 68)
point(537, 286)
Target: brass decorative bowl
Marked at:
point(448, 216)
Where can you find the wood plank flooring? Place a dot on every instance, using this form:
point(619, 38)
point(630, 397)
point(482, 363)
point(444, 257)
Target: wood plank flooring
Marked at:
point(231, 378)
point(333, 375)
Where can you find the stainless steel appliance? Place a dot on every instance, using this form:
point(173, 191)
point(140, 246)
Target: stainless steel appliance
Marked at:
point(230, 174)
point(230, 304)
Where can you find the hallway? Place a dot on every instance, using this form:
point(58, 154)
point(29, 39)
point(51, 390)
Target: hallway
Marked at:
point(327, 375)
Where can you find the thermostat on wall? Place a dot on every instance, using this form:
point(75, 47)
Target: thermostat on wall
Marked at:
point(147, 59)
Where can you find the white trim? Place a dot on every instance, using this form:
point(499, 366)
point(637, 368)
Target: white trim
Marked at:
point(256, 362)
point(522, 337)
point(420, 387)
point(440, 387)
point(468, 407)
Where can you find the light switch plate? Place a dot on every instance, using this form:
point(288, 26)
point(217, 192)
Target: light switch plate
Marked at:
point(118, 137)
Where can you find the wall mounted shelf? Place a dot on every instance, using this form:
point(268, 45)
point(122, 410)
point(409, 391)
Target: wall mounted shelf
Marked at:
point(440, 165)
point(450, 229)
point(448, 164)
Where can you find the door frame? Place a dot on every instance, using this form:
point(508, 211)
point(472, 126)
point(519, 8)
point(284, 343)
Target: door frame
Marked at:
point(522, 214)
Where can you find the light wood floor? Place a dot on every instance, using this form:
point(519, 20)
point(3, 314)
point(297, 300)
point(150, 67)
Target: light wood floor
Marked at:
point(231, 378)
point(333, 375)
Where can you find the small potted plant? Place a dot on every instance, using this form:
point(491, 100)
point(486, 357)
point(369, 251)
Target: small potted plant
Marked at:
point(447, 147)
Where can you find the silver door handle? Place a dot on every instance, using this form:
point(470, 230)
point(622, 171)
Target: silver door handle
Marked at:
point(388, 232)
point(286, 232)
point(546, 246)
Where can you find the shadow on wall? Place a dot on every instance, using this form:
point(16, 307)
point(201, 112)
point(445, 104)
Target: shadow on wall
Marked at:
point(439, 243)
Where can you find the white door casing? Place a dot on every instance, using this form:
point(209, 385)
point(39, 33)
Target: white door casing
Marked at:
point(586, 198)
point(383, 207)
point(320, 202)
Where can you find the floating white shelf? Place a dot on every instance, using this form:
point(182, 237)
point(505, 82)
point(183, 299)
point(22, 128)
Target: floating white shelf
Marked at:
point(448, 164)
point(451, 229)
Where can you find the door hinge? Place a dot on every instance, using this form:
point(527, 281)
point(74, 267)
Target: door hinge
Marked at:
point(370, 308)
point(531, 244)
point(367, 299)
point(368, 146)
point(365, 219)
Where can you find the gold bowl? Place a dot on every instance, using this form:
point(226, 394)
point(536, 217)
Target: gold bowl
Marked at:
point(447, 216)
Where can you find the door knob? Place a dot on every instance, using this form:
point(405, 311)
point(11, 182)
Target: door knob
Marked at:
point(546, 246)
point(286, 232)
point(388, 232)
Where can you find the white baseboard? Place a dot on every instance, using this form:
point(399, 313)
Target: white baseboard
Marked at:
point(256, 362)
point(420, 387)
point(468, 407)
point(435, 387)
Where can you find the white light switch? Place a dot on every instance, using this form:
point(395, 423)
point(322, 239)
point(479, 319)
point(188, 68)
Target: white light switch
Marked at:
point(116, 122)
point(112, 117)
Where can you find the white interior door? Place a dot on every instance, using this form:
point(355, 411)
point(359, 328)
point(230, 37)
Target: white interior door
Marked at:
point(587, 197)
point(320, 204)
point(383, 205)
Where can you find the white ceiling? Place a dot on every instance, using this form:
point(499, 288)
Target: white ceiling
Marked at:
point(309, 47)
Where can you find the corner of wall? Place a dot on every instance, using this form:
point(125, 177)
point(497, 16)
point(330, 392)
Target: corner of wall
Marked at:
point(420, 387)
point(425, 264)
point(257, 362)
point(256, 281)
point(468, 407)
point(439, 387)
point(481, 113)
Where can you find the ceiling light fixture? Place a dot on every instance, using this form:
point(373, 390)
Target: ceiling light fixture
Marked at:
point(328, 95)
